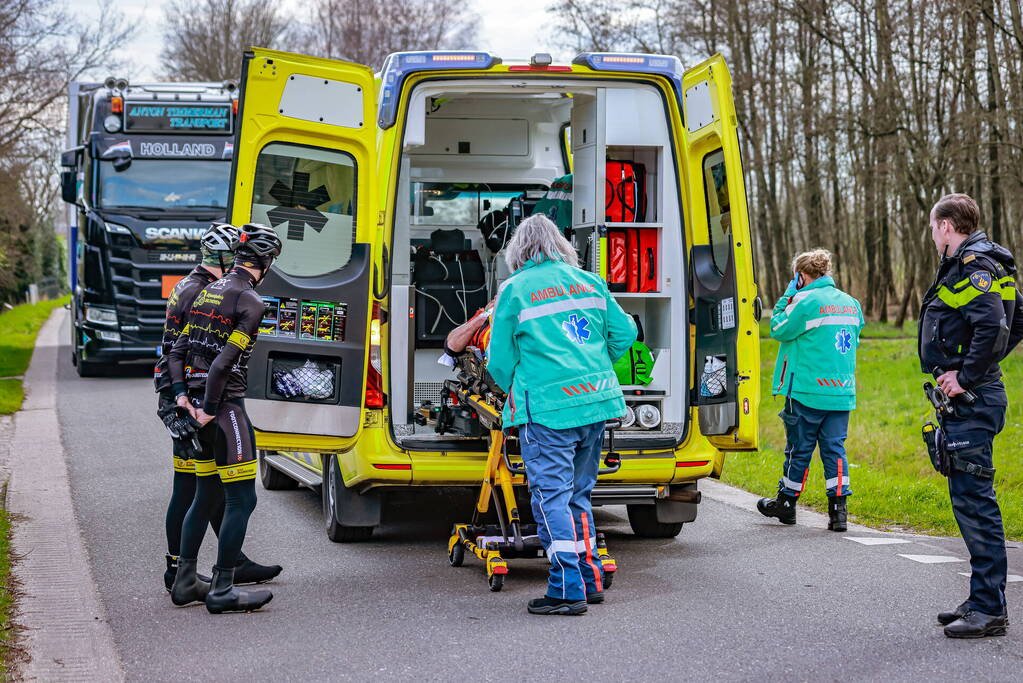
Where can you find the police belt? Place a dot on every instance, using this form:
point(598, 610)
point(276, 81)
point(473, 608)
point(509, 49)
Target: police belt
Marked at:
point(945, 461)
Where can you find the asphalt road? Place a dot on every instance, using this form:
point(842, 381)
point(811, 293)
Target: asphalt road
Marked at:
point(735, 597)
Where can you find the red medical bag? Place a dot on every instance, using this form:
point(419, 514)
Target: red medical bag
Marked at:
point(617, 260)
point(625, 192)
point(632, 260)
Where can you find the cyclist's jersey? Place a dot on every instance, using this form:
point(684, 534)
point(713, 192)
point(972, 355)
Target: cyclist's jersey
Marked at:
point(212, 353)
point(178, 305)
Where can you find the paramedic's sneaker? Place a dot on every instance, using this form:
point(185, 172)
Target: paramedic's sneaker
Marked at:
point(783, 508)
point(548, 605)
point(595, 598)
point(977, 625)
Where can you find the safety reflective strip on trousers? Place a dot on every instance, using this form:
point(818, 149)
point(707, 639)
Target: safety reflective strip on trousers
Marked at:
point(589, 552)
point(562, 306)
point(794, 485)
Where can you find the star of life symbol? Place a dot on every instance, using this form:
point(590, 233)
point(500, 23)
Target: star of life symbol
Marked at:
point(843, 341)
point(575, 328)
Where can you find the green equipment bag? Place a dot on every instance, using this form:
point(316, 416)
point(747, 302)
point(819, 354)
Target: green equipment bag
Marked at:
point(635, 367)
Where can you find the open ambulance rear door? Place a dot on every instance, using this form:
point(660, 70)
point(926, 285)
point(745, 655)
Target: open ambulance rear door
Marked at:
point(304, 166)
point(726, 344)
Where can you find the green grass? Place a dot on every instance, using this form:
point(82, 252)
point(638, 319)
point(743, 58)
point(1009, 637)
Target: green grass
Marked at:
point(10, 654)
point(893, 483)
point(18, 330)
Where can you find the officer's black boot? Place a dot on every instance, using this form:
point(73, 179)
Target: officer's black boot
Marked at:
point(977, 625)
point(783, 507)
point(187, 586)
point(224, 596)
point(837, 513)
point(946, 618)
point(247, 571)
point(172, 570)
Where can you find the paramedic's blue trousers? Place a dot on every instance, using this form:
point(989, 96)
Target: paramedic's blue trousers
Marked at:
point(562, 468)
point(805, 429)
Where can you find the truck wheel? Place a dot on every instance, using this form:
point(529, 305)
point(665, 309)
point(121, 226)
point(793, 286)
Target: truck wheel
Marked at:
point(334, 493)
point(85, 368)
point(643, 520)
point(272, 478)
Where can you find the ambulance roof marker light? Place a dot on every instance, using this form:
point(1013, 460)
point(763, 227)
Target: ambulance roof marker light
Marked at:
point(398, 65)
point(665, 65)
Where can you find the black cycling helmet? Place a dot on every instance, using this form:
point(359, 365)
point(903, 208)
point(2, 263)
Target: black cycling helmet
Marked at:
point(259, 240)
point(218, 243)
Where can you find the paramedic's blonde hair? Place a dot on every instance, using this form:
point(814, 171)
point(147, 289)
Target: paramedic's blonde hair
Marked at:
point(815, 263)
point(538, 239)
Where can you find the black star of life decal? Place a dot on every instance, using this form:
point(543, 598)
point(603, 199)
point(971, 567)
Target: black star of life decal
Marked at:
point(297, 206)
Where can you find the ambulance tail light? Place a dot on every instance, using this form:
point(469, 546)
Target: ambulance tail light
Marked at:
point(399, 65)
point(374, 378)
point(664, 65)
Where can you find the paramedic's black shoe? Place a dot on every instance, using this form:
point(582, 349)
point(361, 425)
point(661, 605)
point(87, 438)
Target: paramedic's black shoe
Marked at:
point(783, 507)
point(247, 571)
point(838, 516)
point(172, 570)
point(977, 625)
point(224, 596)
point(946, 618)
point(188, 588)
point(595, 598)
point(547, 605)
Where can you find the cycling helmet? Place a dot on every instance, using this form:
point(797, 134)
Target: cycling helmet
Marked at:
point(218, 242)
point(259, 240)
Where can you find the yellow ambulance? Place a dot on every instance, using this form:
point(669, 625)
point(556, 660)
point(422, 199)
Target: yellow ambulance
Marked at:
point(395, 193)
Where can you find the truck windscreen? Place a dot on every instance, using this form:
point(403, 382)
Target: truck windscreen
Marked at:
point(164, 184)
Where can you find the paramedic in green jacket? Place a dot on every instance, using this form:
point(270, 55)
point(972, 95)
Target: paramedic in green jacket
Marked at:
point(556, 332)
point(818, 326)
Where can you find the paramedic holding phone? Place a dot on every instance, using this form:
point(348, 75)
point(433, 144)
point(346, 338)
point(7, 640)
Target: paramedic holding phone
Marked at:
point(556, 332)
point(818, 326)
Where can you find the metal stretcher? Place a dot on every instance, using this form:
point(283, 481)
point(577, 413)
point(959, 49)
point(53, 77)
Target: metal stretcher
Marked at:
point(495, 544)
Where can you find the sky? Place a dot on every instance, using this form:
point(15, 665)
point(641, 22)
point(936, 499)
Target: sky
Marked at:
point(511, 28)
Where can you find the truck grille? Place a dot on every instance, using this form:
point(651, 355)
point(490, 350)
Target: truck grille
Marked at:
point(137, 285)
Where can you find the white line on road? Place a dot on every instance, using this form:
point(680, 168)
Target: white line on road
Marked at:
point(931, 559)
point(1011, 578)
point(876, 540)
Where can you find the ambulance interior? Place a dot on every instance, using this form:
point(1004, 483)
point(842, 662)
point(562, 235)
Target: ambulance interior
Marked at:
point(477, 159)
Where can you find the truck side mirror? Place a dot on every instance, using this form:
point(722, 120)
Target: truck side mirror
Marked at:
point(69, 186)
point(69, 158)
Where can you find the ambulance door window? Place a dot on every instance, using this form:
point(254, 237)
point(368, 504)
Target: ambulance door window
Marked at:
point(719, 210)
point(308, 196)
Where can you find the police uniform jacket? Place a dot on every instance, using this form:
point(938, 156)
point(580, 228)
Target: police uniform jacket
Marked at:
point(972, 315)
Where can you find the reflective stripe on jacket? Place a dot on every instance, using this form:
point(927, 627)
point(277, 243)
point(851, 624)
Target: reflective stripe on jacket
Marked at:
point(819, 330)
point(556, 332)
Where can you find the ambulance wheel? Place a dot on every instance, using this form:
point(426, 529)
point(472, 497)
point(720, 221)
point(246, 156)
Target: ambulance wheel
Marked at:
point(333, 492)
point(272, 478)
point(643, 520)
point(496, 582)
point(457, 555)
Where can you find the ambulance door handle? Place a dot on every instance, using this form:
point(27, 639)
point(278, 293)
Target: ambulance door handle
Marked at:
point(381, 292)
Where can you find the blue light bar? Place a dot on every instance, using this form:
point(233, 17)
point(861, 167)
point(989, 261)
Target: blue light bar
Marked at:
point(399, 65)
point(665, 65)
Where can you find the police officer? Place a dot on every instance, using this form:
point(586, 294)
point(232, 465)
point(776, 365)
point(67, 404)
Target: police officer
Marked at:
point(216, 250)
point(971, 317)
point(208, 367)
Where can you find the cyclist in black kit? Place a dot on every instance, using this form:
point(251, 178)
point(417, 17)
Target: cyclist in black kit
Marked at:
point(216, 248)
point(208, 367)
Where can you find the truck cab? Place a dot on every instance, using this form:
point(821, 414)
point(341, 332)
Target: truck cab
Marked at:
point(395, 194)
point(146, 171)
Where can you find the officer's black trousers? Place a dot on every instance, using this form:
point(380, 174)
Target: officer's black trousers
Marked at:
point(970, 436)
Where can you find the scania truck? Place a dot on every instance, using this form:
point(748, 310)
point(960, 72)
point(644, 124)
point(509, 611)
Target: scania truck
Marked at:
point(145, 171)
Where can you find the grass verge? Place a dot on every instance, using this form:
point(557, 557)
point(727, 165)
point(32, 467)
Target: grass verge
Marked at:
point(11, 653)
point(18, 330)
point(893, 483)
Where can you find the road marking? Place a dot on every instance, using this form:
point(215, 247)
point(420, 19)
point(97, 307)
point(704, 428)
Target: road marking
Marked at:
point(931, 559)
point(1011, 578)
point(876, 540)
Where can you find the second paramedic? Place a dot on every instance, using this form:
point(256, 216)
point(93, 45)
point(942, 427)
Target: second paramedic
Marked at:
point(556, 332)
point(818, 326)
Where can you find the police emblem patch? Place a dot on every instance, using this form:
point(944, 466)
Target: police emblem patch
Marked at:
point(576, 328)
point(981, 280)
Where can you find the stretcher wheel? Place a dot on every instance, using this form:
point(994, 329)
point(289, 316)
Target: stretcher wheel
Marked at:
point(496, 582)
point(457, 555)
point(608, 578)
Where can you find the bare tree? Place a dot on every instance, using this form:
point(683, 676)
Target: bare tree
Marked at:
point(204, 40)
point(366, 31)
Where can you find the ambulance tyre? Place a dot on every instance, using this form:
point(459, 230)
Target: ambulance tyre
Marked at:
point(272, 478)
point(643, 520)
point(335, 497)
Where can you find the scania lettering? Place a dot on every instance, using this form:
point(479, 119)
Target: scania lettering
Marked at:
point(395, 196)
point(146, 170)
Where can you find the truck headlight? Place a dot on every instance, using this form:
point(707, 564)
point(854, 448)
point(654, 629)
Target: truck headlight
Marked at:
point(101, 316)
point(116, 229)
point(107, 335)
